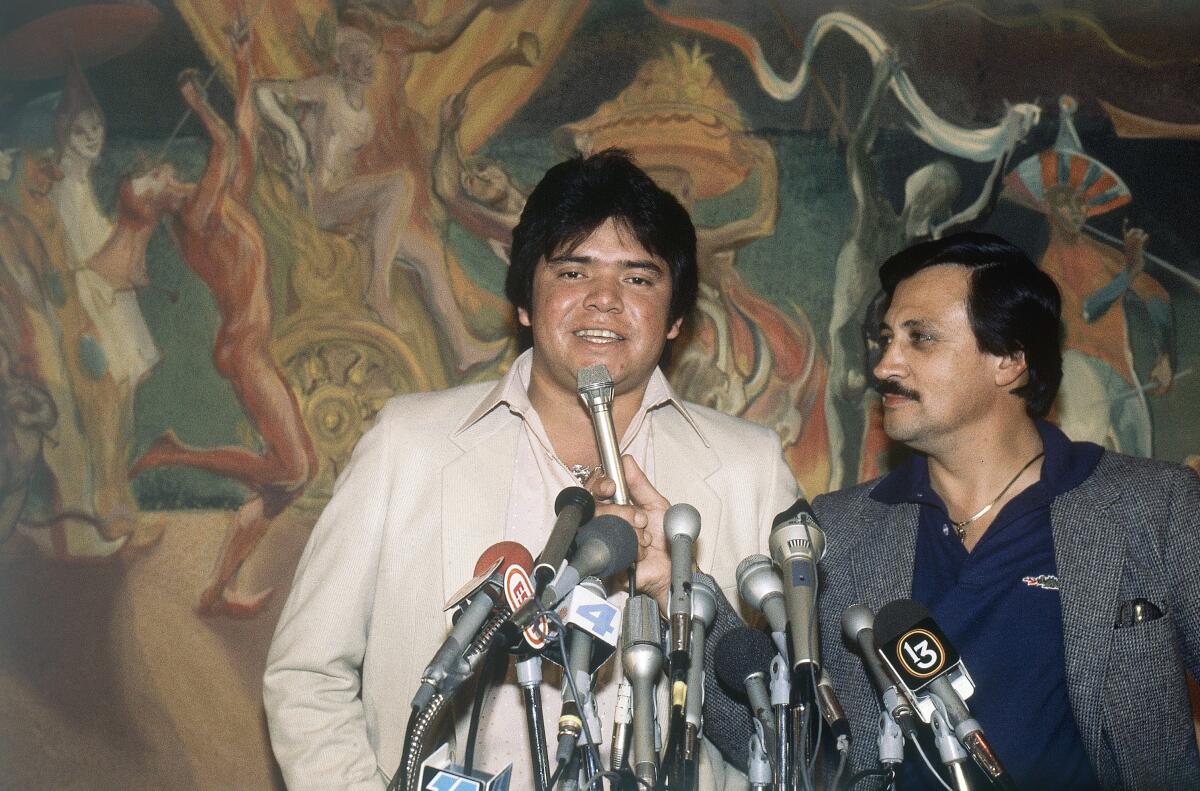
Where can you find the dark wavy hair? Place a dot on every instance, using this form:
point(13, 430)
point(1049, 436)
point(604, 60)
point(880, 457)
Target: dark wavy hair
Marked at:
point(1012, 305)
point(575, 197)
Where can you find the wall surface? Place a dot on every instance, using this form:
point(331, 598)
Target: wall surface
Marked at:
point(180, 396)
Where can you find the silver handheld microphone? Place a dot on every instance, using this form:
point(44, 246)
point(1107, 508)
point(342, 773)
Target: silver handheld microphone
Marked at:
point(595, 386)
point(681, 524)
point(760, 586)
point(642, 658)
point(797, 543)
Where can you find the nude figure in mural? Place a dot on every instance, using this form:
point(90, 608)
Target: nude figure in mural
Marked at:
point(876, 232)
point(325, 122)
point(122, 351)
point(221, 242)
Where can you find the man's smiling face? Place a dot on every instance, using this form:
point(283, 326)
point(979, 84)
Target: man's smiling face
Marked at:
point(605, 301)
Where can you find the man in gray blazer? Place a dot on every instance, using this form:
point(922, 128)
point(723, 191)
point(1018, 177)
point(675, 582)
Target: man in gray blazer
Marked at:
point(1068, 577)
point(603, 270)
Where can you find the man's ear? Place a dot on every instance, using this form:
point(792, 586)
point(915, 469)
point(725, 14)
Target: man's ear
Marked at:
point(523, 317)
point(673, 332)
point(1011, 368)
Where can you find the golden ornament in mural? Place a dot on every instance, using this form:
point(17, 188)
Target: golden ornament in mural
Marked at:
point(342, 372)
point(674, 114)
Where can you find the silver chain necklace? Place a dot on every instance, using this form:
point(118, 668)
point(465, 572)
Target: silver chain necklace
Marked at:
point(960, 528)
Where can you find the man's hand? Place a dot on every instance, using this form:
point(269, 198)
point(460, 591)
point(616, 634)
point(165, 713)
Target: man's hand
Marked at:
point(646, 516)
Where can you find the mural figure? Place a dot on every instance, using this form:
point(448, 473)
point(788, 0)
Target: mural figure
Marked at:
point(44, 325)
point(221, 242)
point(325, 122)
point(108, 263)
point(477, 192)
point(1102, 399)
point(877, 231)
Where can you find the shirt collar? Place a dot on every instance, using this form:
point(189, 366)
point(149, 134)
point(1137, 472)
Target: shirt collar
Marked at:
point(1066, 465)
point(512, 391)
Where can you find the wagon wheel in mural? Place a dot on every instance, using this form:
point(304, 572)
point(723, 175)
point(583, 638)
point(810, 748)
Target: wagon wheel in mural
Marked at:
point(342, 371)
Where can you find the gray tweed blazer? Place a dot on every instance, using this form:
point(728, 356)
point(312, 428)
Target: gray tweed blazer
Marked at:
point(1131, 530)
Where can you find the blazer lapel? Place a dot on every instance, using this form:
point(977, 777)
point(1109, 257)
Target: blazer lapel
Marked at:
point(683, 465)
point(882, 559)
point(475, 491)
point(1089, 548)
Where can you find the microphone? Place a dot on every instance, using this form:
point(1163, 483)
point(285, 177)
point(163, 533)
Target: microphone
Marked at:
point(578, 665)
point(641, 656)
point(743, 663)
point(832, 712)
point(449, 667)
point(603, 547)
point(704, 612)
point(858, 628)
point(681, 525)
point(931, 672)
point(595, 387)
point(760, 587)
point(573, 507)
point(797, 544)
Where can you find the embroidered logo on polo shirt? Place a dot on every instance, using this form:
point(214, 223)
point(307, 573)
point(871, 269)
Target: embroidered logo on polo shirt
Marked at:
point(1047, 581)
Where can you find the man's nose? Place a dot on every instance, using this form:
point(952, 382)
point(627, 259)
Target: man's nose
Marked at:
point(891, 364)
point(605, 294)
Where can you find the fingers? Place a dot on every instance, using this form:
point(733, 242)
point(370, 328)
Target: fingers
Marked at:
point(641, 491)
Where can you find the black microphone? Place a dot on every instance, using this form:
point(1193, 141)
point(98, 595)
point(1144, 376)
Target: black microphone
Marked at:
point(603, 547)
point(932, 674)
point(858, 627)
point(797, 544)
point(742, 660)
point(573, 507)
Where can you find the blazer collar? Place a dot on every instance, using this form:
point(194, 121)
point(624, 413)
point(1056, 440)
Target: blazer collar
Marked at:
point(882, 557)
point(684, 464)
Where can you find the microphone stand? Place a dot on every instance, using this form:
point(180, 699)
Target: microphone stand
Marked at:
point(781, 697)
point(953, 755)
point(529, 676)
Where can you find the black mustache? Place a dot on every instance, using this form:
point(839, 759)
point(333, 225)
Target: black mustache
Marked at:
point(892, 387)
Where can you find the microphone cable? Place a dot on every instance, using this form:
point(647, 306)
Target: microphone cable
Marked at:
point(495, 651)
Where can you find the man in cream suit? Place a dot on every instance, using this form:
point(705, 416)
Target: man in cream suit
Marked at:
point(603, 270)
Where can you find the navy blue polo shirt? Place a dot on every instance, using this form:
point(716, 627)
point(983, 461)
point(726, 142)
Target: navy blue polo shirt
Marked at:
point(999, 605)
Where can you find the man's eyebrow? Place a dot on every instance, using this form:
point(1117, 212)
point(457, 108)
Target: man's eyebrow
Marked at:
point(910, 324)
point(630, 263)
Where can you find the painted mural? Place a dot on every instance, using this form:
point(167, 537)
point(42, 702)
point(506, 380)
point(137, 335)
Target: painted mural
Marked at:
point(230, 230)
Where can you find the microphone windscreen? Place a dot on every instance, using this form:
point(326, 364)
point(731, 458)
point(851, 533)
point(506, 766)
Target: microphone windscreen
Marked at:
point(606, 545)
point(797, 508)
point(592, 376)
point(512, 554)
point(740, 653)
point(579, 497)
point(896, 618)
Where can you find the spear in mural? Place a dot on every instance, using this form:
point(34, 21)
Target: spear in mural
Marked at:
point(1186, 277)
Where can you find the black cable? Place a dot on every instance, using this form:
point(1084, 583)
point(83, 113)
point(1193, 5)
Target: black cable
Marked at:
point(481, 687)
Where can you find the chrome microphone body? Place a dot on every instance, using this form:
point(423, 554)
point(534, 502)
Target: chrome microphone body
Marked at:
point(760, 587)
point(596, 390)
point(642, 658)
point(797, 544)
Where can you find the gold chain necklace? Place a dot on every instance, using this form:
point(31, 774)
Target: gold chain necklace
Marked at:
point(961, 527)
